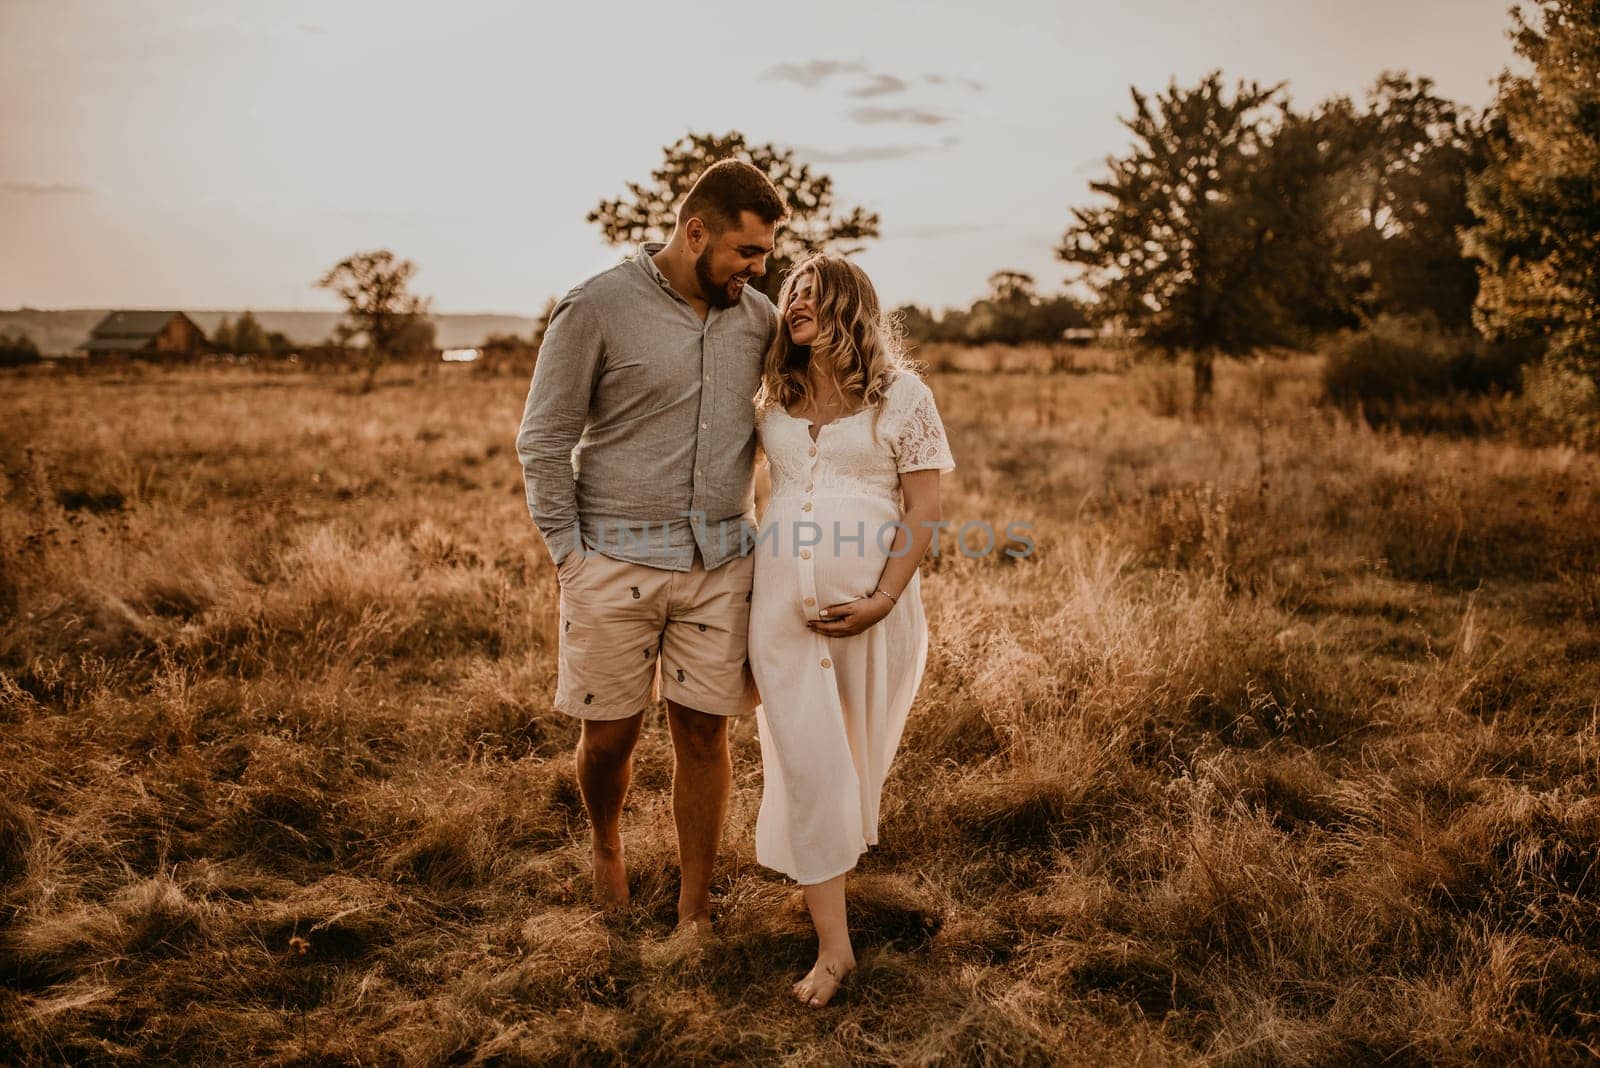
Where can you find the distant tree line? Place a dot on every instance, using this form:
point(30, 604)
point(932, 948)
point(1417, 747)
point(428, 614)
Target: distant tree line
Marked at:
point(513, 352)
point(1012, 313)
point(17, 349)
point(245, 337)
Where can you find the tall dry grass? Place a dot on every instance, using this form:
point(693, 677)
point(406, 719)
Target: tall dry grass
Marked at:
point(1279, 749)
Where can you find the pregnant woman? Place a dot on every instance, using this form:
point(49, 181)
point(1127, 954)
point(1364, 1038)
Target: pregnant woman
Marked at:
point(838, 639)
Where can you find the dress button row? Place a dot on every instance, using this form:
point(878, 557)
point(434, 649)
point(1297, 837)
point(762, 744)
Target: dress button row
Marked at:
point(810, 601)
point(812, 451)
point(805, 554)
point(806, 507)
point(827, 663)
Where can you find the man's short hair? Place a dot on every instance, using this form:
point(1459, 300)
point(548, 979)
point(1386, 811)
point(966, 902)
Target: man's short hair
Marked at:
point(727, 188)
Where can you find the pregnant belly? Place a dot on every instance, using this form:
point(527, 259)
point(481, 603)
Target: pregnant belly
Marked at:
point(842, 541)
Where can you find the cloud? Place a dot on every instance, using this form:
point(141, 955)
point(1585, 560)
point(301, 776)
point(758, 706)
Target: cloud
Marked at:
point(915, 116)
point(880, 85)
point(814, 71)
point(44, 189)
point(954, 79)
point(870, 153)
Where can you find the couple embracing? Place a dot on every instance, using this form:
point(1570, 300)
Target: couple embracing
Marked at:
point(657, 382)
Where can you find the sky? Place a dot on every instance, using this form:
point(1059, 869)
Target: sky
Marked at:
point(224, 153)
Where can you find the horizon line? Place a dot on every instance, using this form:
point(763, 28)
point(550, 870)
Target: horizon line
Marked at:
point(252, 310)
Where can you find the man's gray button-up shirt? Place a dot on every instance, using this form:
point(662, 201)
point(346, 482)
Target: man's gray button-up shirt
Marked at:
point(638, 436)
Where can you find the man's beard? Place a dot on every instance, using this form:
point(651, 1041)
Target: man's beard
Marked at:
point(716, 296)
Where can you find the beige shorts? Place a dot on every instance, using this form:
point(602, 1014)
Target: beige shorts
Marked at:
point(632, 633)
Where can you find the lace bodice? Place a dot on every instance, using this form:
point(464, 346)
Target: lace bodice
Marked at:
point(849, 459)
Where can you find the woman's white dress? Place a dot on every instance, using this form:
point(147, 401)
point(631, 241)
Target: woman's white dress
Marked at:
point(832, 709)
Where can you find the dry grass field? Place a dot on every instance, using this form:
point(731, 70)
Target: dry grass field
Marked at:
point(1280, 749)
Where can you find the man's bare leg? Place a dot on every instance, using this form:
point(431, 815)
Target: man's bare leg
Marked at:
point(702, 778)
point(605, 766)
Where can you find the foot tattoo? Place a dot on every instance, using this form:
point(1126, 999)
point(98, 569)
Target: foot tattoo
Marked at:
point(822, 982)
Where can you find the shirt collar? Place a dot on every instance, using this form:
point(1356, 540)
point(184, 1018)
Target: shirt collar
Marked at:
point(647, 250)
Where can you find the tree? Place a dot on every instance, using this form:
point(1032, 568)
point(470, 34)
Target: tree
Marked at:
point(1402, 200)
point(1003, 316)
point(1011, 313)
point(1299, 287)
point(278, 344)
point(17, 349)
point(1539, 197)
point(1184, 249)
point(512, 352)
point(918, 322)
point(1055, 315)
point(649, 210)
point(379, 308)
point(1013, 288)
point(222, 337)
point(248, 337)
point(417, 339)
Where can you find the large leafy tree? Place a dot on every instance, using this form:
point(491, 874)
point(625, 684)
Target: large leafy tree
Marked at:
point(1539, 195)
point(1401, 200)
point(1208, 239)
point(649, 210)
point(1293, 274)
point(380, 308)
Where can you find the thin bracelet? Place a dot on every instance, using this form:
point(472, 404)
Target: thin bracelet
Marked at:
point(887, 594)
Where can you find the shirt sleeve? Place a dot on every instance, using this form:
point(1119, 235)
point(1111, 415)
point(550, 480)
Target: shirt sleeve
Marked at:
point(919, 439)
point(554, 417)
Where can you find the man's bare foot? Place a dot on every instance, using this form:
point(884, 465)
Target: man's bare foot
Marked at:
point(698, 926)
point(823, 980)
point(610, 876)
point(687, 944)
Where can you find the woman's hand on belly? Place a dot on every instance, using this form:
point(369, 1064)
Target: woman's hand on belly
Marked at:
point(852, 617)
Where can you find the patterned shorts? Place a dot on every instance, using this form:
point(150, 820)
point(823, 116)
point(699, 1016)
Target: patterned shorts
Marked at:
point(631, 633)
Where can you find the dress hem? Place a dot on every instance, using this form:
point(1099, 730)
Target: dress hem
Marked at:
point(814, 880)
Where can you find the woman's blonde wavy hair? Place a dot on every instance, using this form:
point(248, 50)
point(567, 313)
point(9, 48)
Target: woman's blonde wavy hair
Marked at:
point(860, 343)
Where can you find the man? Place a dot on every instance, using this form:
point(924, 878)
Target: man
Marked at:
point(637, 446)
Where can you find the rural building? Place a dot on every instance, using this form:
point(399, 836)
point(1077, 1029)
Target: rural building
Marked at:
point(150, 334)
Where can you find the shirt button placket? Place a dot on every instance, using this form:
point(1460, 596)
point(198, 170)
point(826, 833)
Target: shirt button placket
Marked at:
point(808, 567)
point(702, 446)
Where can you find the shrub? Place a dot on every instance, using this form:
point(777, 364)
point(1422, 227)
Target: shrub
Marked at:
point(1396, 361)
point(1563, 402)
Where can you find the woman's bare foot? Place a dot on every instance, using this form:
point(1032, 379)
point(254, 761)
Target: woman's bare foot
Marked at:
point(823, 980)
point(610, 876)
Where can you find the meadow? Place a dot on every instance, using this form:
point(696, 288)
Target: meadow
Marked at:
point(1280, 748)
